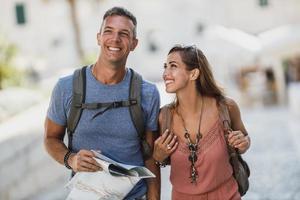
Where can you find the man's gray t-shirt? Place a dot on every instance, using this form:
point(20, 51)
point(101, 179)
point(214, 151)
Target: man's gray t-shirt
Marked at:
point(112, 132)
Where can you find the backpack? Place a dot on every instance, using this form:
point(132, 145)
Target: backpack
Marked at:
point(134, 103)
point(241, 170)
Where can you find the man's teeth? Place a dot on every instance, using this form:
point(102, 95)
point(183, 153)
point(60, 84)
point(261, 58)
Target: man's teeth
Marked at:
point(114, 49)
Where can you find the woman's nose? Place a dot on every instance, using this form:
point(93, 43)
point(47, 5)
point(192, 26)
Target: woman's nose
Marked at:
point(165, 73)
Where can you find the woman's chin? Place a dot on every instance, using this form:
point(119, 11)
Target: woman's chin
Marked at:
point(170, 90)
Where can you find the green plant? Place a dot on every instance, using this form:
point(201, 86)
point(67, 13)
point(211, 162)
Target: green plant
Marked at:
point(89, 58)
point(9, 75)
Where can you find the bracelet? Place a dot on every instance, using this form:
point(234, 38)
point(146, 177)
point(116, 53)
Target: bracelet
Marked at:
point(160, 164)
point(66, 158)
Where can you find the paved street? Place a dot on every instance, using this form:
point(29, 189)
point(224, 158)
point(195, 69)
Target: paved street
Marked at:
point(274, 155)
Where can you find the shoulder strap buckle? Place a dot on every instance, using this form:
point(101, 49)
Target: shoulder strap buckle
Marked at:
point(117, 104)
point(78, 105)
point(133, 102)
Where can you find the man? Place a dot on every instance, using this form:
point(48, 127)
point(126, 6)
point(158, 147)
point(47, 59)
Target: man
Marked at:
point(111, 132)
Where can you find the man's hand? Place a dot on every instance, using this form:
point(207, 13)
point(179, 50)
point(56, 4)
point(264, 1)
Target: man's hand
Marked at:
point(83, 161)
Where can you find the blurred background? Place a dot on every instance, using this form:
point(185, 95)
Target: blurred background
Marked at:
point(253, 47)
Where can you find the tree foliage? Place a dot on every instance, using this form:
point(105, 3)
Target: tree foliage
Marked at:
point(8, 74)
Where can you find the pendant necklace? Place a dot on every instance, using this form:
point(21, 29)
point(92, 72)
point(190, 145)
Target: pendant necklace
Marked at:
point(193, 147)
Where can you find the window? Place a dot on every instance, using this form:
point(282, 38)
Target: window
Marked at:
point(200, 28)
point(263, 3)
point(20, 13)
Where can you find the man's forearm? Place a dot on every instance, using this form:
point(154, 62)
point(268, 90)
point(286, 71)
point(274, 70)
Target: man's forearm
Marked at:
point(56, 148)
point(53, 140)
point(153, 183)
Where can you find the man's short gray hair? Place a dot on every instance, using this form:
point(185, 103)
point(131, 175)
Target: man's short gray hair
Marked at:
point(122, 12)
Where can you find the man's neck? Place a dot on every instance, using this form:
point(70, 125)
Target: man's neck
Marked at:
point(108, 73)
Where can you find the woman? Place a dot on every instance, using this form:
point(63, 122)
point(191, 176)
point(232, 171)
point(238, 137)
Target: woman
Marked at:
point(195, 143)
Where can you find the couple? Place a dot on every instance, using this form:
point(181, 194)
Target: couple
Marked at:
point(194, 143)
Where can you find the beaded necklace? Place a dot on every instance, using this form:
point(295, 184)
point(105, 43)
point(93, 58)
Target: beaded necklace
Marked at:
point(193, 147)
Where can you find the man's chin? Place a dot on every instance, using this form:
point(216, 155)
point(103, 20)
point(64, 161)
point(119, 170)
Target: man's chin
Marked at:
point(118, 62)
point(117, 59)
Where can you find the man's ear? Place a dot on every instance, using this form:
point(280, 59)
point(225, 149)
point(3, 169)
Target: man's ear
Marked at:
point(194, 74)
point(135, 42)
point(99, 38)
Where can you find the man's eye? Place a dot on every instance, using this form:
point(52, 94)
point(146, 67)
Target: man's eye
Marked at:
point(124, 34)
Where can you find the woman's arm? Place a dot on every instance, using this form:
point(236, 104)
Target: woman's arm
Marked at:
point(239, 137)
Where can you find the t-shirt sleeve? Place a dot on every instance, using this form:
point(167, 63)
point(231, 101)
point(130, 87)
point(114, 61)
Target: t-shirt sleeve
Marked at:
point(153, 108)
point(56, 111)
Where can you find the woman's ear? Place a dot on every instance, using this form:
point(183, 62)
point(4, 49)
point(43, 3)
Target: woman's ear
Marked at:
point(194, 74)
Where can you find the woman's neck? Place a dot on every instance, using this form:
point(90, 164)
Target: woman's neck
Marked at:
point(189, 101)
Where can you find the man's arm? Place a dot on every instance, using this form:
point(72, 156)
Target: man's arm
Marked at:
point(153, 192)
point(53, 141)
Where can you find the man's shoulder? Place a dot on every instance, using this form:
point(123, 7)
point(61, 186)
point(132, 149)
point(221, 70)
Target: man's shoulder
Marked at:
point(65, 81)
point(148, 86)
point(68, 79)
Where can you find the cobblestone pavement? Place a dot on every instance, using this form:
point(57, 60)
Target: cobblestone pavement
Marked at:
point(273, 156)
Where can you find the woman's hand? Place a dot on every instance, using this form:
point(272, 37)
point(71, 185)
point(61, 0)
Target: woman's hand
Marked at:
point(238, 140)
point(164, 146)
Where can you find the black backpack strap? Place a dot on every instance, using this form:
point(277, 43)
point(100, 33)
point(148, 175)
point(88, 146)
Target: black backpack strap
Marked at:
point(115, 104)
point(136, 110)
point(107, 106)
point(78, 97)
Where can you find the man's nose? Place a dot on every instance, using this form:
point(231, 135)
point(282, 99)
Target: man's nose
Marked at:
point(116, 37)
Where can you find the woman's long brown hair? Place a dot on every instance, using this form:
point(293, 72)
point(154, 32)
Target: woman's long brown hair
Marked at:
point(194, 58)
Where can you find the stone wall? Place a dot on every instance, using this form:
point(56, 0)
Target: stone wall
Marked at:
point(26, 170)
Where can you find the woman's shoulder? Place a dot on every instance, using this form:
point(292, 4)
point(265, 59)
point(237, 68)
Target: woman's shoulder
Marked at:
point(231, 103)
point(166, 108)
point(233, 107)
point(165, 112)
